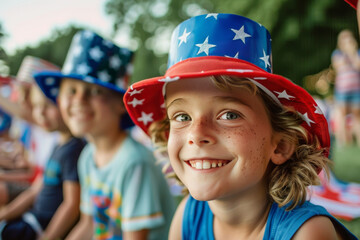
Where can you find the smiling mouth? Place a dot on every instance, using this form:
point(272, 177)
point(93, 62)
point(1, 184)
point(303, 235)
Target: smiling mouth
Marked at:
point(207, 164)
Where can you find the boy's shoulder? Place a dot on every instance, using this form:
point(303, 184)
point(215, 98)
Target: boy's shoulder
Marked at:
point(283, 224)
point(136, 151)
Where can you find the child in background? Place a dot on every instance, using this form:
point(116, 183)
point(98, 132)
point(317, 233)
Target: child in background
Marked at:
point(36, 143)
point(245, 142)
point(50, 207)
point(13, 162)
point(124, 195)
point(346, 63)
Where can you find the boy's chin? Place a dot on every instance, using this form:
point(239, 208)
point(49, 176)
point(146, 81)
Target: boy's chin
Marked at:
point(203, 195)
point(78, 133)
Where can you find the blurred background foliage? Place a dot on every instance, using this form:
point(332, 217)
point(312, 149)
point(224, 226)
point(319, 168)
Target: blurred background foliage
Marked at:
point(304, 34)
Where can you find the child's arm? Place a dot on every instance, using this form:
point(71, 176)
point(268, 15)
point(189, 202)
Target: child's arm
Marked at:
point(176, 224)
point(67, 213)
point(317, 228)
point(22, 203)
point(22, 175)
point(83, 229)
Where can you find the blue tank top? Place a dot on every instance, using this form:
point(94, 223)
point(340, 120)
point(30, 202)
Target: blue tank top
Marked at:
point(281, 225)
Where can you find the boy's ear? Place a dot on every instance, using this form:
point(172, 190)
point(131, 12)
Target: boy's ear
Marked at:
point(283, 151)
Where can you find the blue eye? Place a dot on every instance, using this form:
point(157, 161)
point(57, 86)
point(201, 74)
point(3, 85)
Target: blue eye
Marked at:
point(182, 118)
point(229, 116)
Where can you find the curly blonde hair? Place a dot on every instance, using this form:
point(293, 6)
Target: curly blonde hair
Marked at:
point(288, 182)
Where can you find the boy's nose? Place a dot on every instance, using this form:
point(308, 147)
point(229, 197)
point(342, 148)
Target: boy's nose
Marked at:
point(201, 133)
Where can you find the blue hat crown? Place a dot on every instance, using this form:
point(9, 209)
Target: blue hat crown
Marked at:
point(225, 35)
point(98, 59)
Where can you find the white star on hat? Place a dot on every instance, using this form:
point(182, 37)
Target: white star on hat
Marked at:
point(49, 81)
point(146, 118)
point(136, 102)
point(115, 62)
point(96, 53)
point(104, 76)
point(236, 55)
point(306, 118)
point(265, 58)
point(135, 92)
point(76, 51)
point(240, 34)
point(205, 46)
point(83, 69)
point(183, 37)
point(212, 15)
point(88, 34)
point(284, 94)
point(318, 110)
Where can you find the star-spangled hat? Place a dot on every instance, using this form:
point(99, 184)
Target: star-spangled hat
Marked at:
point(94, 60)
point(29, 66)
point(223, 44)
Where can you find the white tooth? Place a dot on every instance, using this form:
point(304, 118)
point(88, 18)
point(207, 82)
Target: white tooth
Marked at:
point(213, 165)
point(206, 165)
point(219, 164)
point(198, 165)
point(193, 164)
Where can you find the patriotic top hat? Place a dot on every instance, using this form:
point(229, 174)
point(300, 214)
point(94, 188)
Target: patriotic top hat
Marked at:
point(29, 66)
point(91, 59)
point(223, 44)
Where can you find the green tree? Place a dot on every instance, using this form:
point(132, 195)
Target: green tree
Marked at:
point(53, 49)
point(4, 69)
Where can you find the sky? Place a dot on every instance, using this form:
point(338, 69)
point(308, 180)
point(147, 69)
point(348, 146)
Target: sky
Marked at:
point(27, 22)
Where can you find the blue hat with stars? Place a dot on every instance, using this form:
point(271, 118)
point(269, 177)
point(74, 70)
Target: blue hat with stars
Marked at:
point(94, 60)
point(223, 44)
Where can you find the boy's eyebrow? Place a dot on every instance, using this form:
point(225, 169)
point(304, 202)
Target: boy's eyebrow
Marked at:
point(176, 101)
point(228, 99)
point(224, 99)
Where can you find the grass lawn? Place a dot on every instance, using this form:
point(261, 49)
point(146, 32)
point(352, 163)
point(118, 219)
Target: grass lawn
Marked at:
point(347, 168)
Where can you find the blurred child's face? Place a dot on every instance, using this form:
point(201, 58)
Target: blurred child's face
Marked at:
point(45, 113)
point(347, 43)
point(88, 109)
point(220, 142)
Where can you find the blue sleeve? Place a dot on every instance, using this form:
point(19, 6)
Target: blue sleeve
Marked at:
point(69, 163)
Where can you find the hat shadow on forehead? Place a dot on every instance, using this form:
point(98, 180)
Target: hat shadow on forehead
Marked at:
point(91, 59)
point(223, 44)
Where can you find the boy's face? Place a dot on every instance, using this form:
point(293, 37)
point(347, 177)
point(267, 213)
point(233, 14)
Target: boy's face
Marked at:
point(220, 142)
point(45, 113)
point(89, 109)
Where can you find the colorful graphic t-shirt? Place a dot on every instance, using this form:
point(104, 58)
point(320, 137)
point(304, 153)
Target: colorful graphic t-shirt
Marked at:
point(130, 193)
